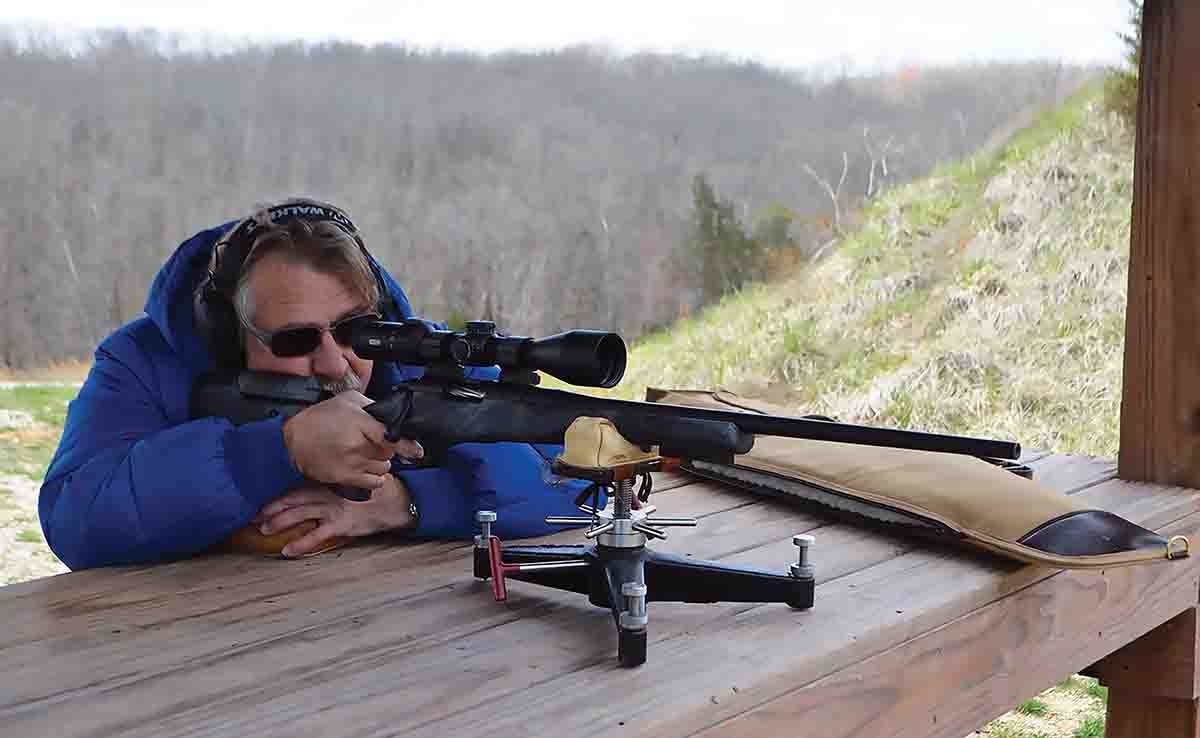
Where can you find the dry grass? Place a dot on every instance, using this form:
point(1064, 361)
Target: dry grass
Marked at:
point(966, 305)
point(71, 371)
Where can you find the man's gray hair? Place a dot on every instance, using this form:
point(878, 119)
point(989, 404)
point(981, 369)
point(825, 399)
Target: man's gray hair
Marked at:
point(320, 245)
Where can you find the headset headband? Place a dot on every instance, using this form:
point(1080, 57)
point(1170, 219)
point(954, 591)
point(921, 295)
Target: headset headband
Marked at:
point(233, 249)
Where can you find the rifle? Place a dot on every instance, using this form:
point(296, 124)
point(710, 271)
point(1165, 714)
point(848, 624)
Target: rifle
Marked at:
point(446, 406)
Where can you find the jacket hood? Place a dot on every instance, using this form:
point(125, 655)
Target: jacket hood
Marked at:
point(170, 305)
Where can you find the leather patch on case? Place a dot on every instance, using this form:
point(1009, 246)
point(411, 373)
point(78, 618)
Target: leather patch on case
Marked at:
point(1091, 533)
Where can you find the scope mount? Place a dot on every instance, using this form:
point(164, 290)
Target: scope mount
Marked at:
point(452, 373)
point(464, 347)
point(619, 571)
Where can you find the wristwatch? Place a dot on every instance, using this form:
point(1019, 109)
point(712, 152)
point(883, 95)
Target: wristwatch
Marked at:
point(397, 465)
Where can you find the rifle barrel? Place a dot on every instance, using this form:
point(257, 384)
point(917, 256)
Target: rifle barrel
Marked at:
point(827, 430)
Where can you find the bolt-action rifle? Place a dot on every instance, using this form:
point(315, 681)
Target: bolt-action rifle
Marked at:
point(446, 406)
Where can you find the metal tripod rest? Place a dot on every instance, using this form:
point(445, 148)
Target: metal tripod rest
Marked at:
point(620, 572)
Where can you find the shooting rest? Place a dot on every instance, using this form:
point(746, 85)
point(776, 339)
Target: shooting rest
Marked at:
point(619, 571)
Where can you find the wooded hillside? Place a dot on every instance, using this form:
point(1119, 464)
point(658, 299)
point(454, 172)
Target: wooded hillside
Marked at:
point(543, 191)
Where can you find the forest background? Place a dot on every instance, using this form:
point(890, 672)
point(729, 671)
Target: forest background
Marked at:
point(545, 191)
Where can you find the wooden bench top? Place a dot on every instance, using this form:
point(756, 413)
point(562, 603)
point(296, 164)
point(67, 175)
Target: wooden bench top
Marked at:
point(385, 639)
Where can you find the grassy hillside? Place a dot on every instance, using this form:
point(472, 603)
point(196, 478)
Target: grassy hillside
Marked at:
point(988, 300)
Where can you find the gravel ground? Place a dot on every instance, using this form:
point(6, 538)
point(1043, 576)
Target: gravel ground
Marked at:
point(24, 554)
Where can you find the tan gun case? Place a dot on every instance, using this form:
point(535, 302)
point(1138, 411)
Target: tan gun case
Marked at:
point(952, 497)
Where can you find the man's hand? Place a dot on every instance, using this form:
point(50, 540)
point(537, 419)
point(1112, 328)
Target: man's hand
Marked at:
point(339, 443)
point(388, 509)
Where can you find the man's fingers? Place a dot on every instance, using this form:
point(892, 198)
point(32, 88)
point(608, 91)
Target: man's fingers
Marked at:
point(306, 496)
point(379, 451)
point(377, 467)
point(404, 448)
point(311, 542)
point(367, 481)
point(374, 431)
point(275, 507)
point(354, 397)
point(410, 449)
point(337, 442)
point(292, 516)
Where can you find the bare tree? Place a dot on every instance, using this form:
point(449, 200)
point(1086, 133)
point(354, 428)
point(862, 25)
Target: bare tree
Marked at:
point(878, 155)
point(835, 194)
point(543, 190)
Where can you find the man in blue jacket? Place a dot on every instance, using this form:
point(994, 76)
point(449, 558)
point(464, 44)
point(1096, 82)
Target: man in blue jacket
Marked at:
point(136, 480)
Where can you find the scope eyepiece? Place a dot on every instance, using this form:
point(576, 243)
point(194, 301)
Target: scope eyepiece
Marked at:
point(580, 357)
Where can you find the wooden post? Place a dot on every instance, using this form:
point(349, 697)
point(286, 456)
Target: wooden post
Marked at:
point(1153, 685)
point(1160, 408)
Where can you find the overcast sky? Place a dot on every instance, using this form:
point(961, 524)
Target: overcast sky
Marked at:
point(783, 33)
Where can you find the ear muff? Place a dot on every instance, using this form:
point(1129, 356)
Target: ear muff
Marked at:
point(216, 317)
point(217, 322)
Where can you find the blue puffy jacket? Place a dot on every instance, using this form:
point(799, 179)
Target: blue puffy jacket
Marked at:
point(134, 480)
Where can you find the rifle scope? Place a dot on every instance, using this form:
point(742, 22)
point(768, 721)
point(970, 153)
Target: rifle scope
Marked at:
point(580, 357)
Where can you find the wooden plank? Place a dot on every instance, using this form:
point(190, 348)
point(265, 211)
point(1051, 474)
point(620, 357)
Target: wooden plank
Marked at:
point(1151, 506)
point(1162, 663)
point(1154, 684)
point(58, 606)
point(916, 585)
point(500, 682)
point(664, 481)
point(158, 680)
point(949, 681)
point(386, 672)
point(157, 640)
point(1070, 474)
point(1160, 408)
point(739, 661)
point(221, 577)
point(150, 598)
point(144, 652)
point(219, 573)
point(47, 607)
point(1154, 689)
point(1028, 455)
point(1135, 716)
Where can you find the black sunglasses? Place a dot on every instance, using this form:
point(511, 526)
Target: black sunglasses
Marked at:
point(291, 342)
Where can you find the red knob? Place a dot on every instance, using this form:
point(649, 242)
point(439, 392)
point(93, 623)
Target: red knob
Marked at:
point(498, 569)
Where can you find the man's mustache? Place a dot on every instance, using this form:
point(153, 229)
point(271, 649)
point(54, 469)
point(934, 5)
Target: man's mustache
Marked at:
point(348, 381)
